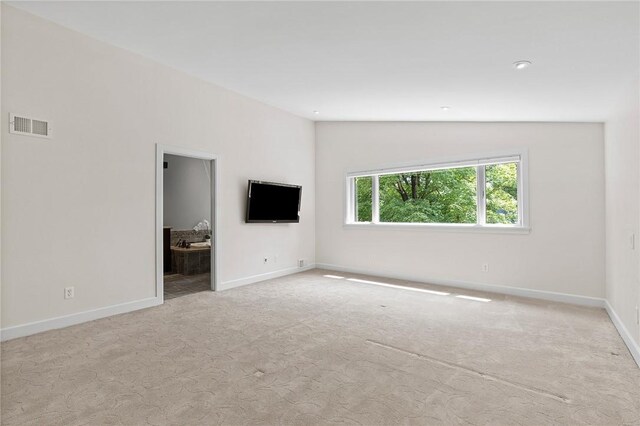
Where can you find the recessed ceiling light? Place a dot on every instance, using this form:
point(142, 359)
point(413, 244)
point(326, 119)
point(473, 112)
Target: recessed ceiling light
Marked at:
point(445, 108)
point(520, 65)
point(316, 112)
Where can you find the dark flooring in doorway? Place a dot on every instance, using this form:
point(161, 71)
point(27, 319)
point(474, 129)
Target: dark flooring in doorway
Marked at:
point(176, 285)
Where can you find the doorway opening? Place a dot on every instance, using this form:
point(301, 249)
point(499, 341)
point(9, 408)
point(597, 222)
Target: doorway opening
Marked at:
point(186, 222)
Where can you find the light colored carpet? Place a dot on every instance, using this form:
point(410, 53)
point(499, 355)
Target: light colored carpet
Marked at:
point(309, 349)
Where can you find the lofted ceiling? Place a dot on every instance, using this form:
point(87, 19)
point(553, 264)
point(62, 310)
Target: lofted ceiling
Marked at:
point(385, 60)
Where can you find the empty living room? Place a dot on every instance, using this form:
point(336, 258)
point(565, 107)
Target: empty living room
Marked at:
point(320, 212)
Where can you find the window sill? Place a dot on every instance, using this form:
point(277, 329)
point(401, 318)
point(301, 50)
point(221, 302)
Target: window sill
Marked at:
point(484, 229)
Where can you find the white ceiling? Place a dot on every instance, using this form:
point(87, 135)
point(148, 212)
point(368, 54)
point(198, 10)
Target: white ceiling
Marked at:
point(384, 60)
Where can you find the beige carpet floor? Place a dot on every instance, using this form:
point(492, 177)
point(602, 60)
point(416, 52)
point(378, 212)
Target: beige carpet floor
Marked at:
point(309, 349)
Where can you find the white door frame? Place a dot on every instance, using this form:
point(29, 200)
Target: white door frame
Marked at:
point(214, 159)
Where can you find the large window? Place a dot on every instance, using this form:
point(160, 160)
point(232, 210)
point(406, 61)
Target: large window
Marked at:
point(478, 193)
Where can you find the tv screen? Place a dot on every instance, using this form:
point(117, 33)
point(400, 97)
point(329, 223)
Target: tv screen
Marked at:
point(273, 202)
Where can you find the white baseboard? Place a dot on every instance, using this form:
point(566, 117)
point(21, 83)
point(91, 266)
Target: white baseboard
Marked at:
point(73, 319)
point(633, 346)
point(80, 317)
point(513, 291)
point(226, 285)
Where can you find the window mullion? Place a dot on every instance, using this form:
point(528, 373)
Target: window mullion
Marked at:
point(481, 195)
point(375, 199)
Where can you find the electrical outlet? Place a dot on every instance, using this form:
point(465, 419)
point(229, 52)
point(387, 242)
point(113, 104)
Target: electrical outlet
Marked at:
point(485, 267)
point(69, 292)
point(300, 263)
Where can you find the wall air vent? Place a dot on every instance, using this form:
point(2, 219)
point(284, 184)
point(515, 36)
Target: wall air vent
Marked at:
point(21, 125)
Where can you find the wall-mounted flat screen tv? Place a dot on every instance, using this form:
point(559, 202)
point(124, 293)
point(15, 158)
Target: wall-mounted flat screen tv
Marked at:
point(269, 202)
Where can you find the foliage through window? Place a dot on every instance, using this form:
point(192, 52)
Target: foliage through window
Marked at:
point(439, 196)
point(476, 192)
point(502, 193)
point(363, 186)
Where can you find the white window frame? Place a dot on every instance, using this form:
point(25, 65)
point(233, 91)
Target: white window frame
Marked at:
point(478, 161)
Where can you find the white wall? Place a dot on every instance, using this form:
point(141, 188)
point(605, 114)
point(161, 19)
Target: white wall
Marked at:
point(564, 252)
point(79, 209)
point(622, 154)
point(186, 192)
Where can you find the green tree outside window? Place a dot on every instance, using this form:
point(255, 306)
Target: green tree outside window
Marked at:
point(436, 196)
